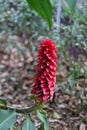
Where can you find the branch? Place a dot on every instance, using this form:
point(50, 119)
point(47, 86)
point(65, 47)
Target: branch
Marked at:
point(59, 4)
point(22, 110)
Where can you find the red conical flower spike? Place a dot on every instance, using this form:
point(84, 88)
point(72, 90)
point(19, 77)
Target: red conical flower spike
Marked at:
point(46, 71)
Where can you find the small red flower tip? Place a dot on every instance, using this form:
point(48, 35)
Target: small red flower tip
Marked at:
point(46, 71)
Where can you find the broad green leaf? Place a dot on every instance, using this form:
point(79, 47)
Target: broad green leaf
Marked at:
point(27, 124)
point(7, 119)
point(3, 101)
point(43, 8)
point(43, 118)
point(71, 4)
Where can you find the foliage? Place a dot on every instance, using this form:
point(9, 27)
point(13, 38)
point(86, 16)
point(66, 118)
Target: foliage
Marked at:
point(7, 119)
point(43, 117)
point(27, 125)
point(17, 18)
point(44, 8)
point(3, 101)
point(12, 13)
point(71, 4)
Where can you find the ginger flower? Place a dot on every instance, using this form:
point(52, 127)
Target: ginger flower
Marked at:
point(45, 78)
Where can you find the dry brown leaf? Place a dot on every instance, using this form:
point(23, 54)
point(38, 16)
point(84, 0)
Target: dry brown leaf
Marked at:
point(78, 87)
point(82, 126)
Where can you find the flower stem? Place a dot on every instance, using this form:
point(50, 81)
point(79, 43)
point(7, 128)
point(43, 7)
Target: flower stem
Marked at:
point(25, 110)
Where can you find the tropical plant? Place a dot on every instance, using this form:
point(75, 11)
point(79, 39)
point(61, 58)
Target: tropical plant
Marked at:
point(44, 8)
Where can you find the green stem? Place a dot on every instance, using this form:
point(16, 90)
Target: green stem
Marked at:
point(22, 110)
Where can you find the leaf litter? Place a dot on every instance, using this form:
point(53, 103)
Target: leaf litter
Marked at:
point(16, 79)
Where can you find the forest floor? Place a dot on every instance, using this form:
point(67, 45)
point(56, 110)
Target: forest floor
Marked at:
point(16, 80)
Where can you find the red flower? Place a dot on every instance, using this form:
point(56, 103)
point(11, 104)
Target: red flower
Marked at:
point(46, 71)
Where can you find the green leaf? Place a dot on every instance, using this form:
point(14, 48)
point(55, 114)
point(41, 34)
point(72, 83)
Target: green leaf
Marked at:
point(43, 118)
point(42, 126)
point(32, 97)
point(27, 124)
point(7, 119)
point(75, 74)
point(3, 101)
point(56, 115)
point(43, 8)
point(71, 4)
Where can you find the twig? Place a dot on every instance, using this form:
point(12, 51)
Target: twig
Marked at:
point(59, 4)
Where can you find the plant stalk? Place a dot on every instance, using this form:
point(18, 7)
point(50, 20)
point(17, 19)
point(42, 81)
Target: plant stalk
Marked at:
point(25, 110)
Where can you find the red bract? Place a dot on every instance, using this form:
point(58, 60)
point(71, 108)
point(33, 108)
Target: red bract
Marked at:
point(46, 71)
